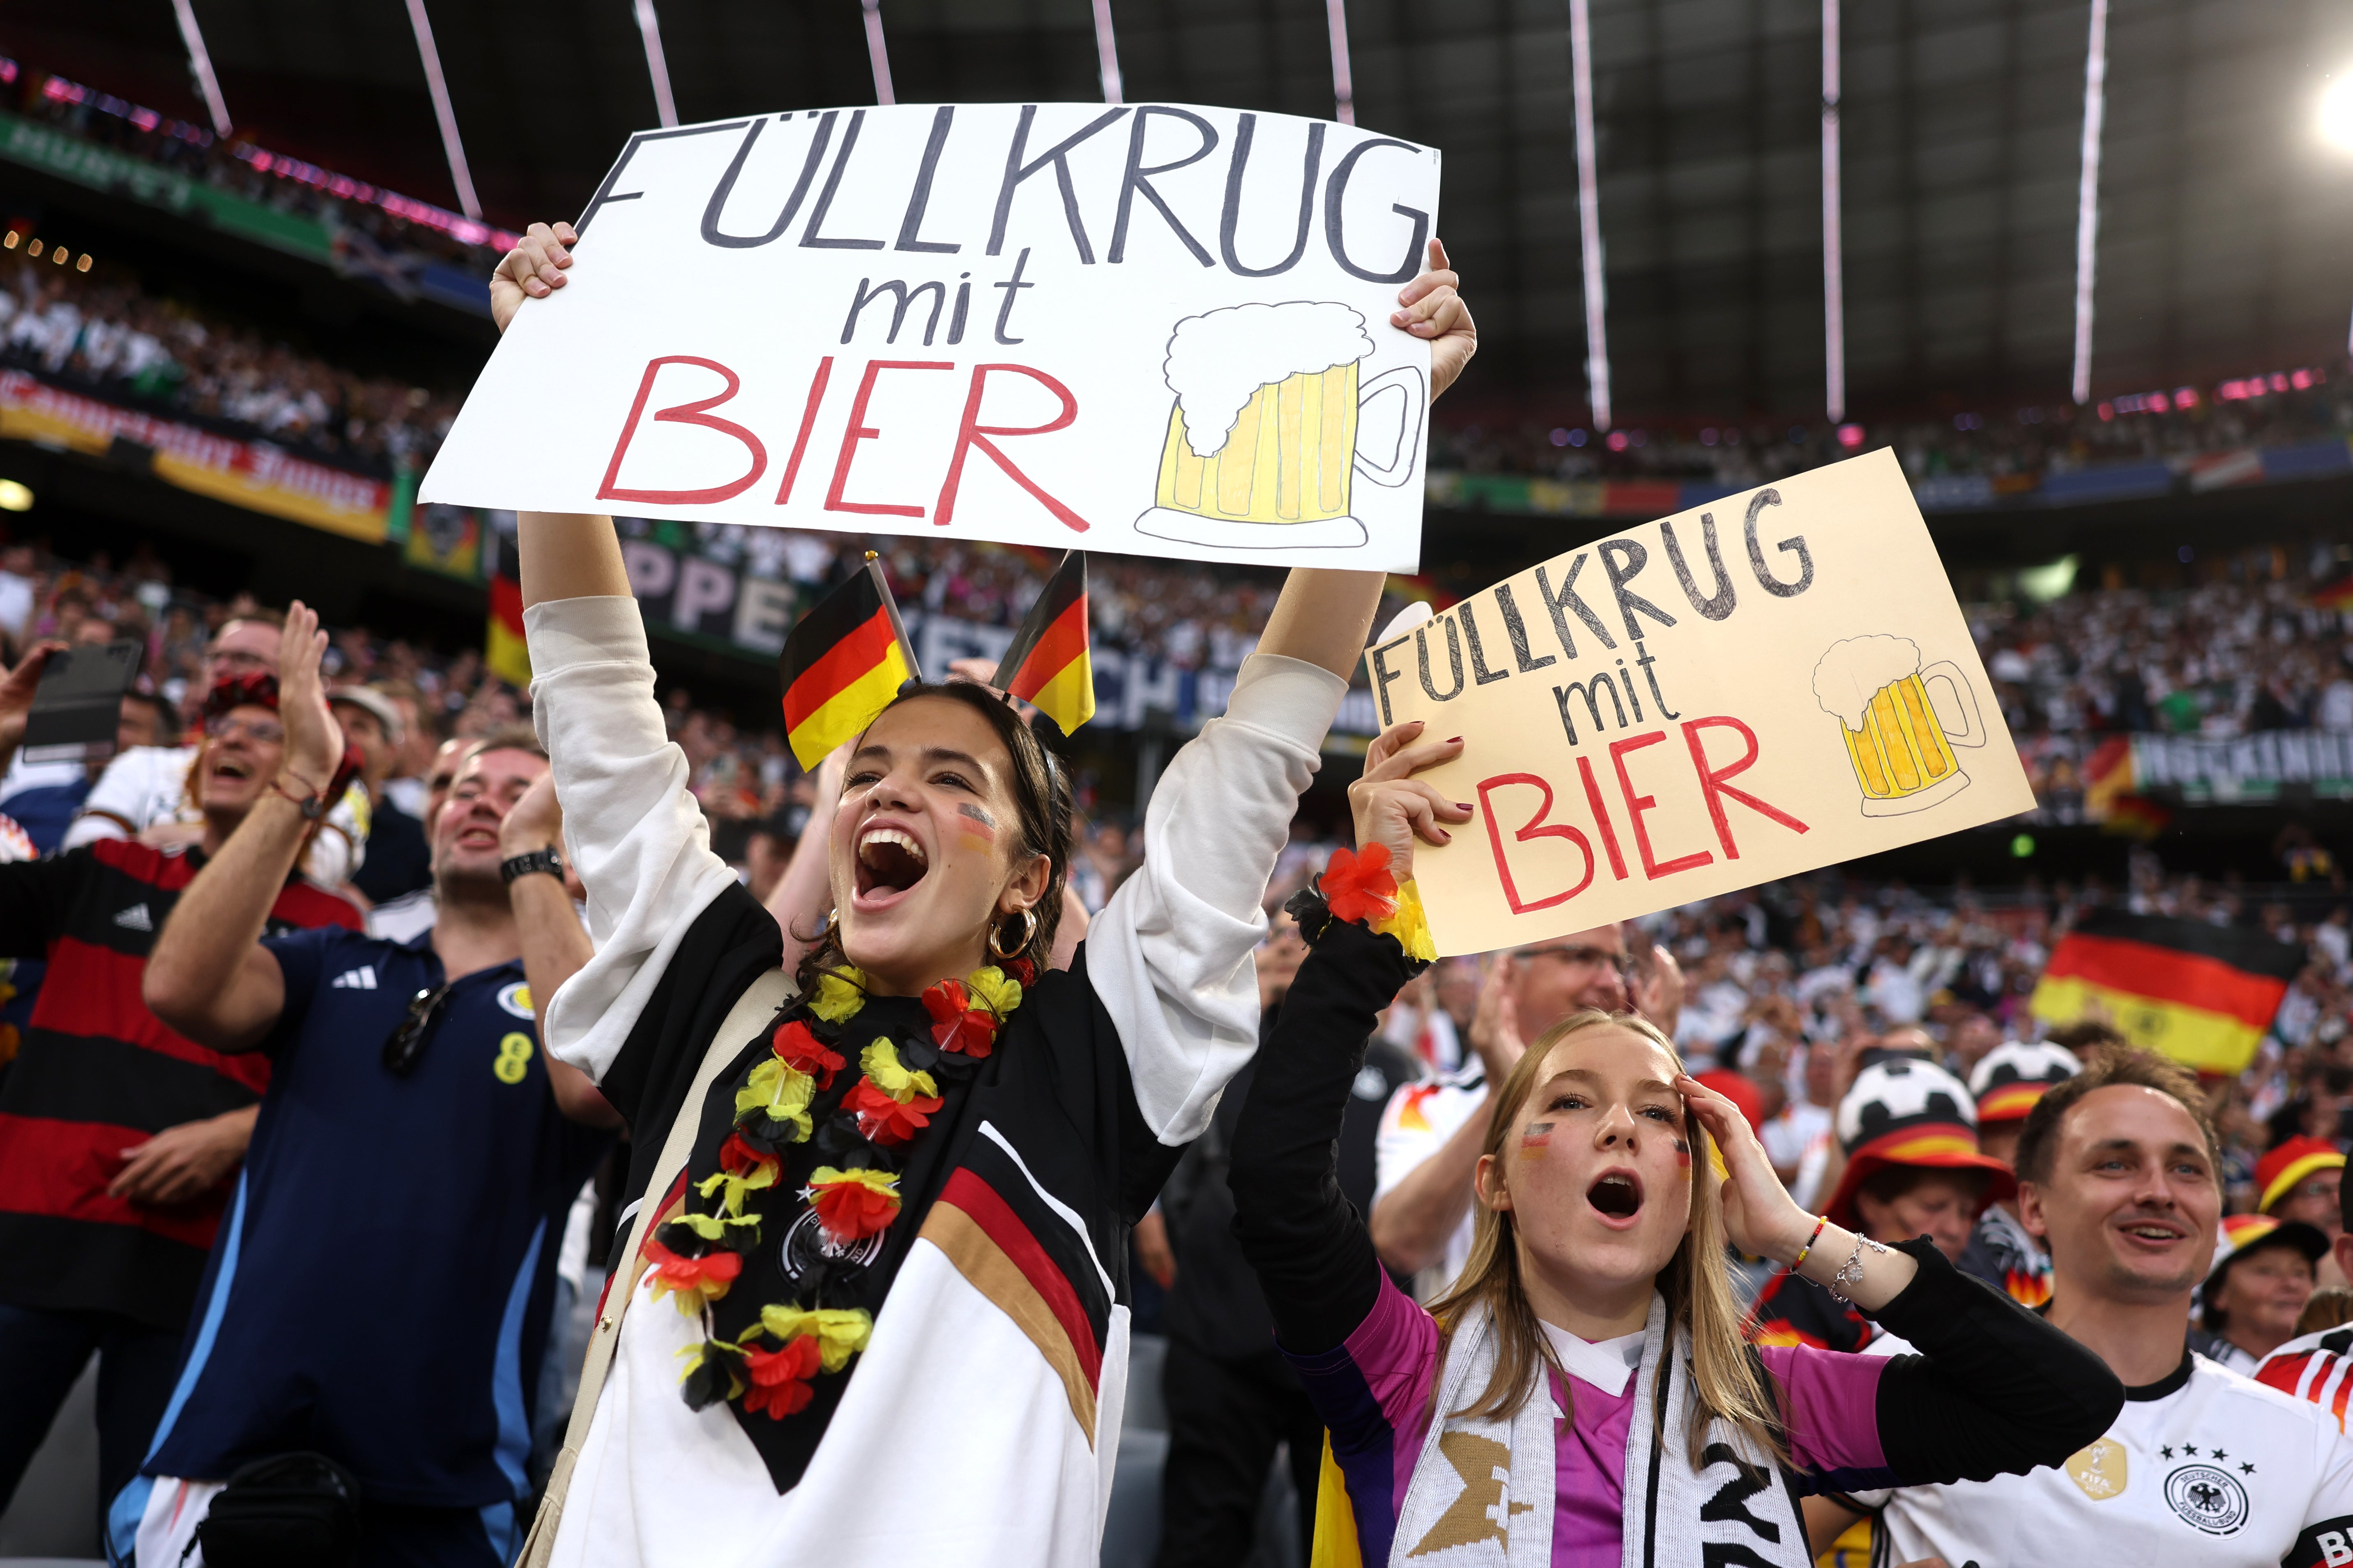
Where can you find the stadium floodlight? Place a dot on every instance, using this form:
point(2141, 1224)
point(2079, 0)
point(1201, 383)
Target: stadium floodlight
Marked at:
point(2335, 120)
point(2087, 195)
point(200, 65)
point(1588, 212)
point(657, 67)
point(14, 496)
point(444, 115)
point(1106, 52)
point(878, 54)
point(1833, 237)
point(1344, 81)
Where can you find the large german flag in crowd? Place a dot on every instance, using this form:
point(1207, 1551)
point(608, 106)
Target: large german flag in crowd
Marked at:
point(503, 649)
point(842, 664)
point(1048, 665)
point(2200, 993)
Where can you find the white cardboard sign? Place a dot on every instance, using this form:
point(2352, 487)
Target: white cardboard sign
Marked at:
point(1148, 329)
point(1778, 681)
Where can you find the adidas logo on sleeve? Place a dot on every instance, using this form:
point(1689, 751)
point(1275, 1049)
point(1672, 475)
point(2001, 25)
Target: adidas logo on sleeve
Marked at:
point(135, 918)
point(362, 979)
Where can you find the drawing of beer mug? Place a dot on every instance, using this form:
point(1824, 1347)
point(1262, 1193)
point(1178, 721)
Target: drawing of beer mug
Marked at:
point(1267, 433)
point(1899, 739)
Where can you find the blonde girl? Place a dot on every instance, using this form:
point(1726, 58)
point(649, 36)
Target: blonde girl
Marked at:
point(1583, 1394)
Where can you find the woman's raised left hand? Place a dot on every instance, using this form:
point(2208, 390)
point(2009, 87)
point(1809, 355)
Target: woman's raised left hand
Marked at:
point(1393, 807)
point(1759, 1215)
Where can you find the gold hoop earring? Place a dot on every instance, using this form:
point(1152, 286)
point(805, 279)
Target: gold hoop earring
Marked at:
point(832, 932)
point(1029, 936)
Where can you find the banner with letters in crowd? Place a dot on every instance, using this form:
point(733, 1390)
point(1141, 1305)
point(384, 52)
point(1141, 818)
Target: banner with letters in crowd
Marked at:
point(1145, 329)
point(1779, 681)
point(256, 475)
point(729, 607)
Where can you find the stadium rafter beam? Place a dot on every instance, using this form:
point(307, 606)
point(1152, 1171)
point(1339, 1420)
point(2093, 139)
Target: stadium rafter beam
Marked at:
point(1833, 238)
point(200, 66)
point(878, 53)
point(444, 114)
point(1588, 212)
point(1344, 83)
point(657, 67)
point(2087, 195)
point(1107, 52)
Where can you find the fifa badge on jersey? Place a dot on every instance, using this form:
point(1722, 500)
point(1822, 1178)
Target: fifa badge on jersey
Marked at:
point(2100, 1471)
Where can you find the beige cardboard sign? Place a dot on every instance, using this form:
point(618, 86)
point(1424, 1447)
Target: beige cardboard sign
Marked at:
point(1773, 682)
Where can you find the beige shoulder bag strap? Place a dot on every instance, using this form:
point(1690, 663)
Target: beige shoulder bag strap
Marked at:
point(760, 999)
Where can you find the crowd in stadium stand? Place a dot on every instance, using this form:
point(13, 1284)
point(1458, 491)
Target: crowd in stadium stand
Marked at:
point(1768, 972)
point(2273, 409)
point(108, 337)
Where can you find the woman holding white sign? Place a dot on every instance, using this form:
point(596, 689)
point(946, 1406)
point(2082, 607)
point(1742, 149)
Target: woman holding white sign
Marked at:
point(1583, 1394)
point(891, 1202)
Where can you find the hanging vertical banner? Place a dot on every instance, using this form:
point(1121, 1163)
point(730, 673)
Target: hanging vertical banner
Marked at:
point(1146, 329)
point(1780, 681)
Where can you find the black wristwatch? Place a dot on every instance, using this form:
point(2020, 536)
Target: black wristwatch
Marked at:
point(546, 861)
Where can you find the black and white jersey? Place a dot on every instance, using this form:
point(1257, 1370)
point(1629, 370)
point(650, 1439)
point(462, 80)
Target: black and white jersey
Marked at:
point(2203, 1469)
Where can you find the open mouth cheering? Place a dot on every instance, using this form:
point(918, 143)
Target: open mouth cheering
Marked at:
point(1617, 1195)
point(890, 862)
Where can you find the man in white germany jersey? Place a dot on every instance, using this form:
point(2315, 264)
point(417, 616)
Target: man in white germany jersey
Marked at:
point(2319, 1366)
point(2205, 1468)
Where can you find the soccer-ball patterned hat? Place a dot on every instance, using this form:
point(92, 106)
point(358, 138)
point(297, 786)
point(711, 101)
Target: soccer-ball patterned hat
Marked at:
point(2012, 1077)
point(1904, 1110)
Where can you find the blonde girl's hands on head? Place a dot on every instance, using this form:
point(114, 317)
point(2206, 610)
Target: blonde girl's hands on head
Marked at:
point(1393, 807)
point(534, 270)
point(1431, 309)
point(1759, 1215)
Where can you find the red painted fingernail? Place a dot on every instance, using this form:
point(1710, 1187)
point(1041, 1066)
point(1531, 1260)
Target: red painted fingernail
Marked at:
point(1461, 805)
point(1453, 740)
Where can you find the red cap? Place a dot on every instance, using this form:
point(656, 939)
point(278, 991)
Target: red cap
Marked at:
point(2277, 1172)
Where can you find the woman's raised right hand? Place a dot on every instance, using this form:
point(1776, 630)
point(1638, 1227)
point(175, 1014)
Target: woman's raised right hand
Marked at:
point(1393, 807)
point(533, 270)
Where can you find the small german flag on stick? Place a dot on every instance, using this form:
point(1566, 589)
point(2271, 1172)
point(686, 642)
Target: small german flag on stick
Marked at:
point(2200, 993)
point(842, 664)
point(1048, 664)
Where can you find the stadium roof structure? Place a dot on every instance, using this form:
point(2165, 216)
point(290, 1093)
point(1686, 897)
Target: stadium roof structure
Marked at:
point(2224, 221)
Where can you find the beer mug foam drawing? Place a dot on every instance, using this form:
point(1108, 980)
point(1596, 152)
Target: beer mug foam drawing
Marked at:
point(1267, 433)
point(1898, 737)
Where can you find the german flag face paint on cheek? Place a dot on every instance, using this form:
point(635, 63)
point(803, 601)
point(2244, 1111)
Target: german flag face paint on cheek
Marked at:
point(1683, 1158)
point(976, 827)
point(1535, 1136)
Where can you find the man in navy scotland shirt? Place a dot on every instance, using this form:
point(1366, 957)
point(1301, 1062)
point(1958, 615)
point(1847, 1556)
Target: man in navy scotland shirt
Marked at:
point(380, 1292)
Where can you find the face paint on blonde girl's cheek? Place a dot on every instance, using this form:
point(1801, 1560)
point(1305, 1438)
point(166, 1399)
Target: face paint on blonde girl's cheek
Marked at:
point(1683, 1156)
point(1535, 1135)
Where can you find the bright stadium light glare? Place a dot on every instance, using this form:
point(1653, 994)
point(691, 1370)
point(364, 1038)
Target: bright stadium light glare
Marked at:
point(2336, 119)
point(15, 497)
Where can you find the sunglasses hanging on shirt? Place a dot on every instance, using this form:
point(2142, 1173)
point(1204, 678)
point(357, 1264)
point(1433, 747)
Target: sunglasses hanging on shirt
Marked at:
point(406, 1044)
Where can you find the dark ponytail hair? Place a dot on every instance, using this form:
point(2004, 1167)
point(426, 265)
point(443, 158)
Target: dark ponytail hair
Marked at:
point(1041, 798)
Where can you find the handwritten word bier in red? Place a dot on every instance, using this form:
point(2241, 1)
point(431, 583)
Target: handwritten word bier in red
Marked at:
point(971, 436)
point(1713, 788)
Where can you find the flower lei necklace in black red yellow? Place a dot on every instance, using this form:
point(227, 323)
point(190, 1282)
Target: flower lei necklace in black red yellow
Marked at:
point(698, 1256)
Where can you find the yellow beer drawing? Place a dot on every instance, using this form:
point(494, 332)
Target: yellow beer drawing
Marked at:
point(1897, 739)
point(1264, 439)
